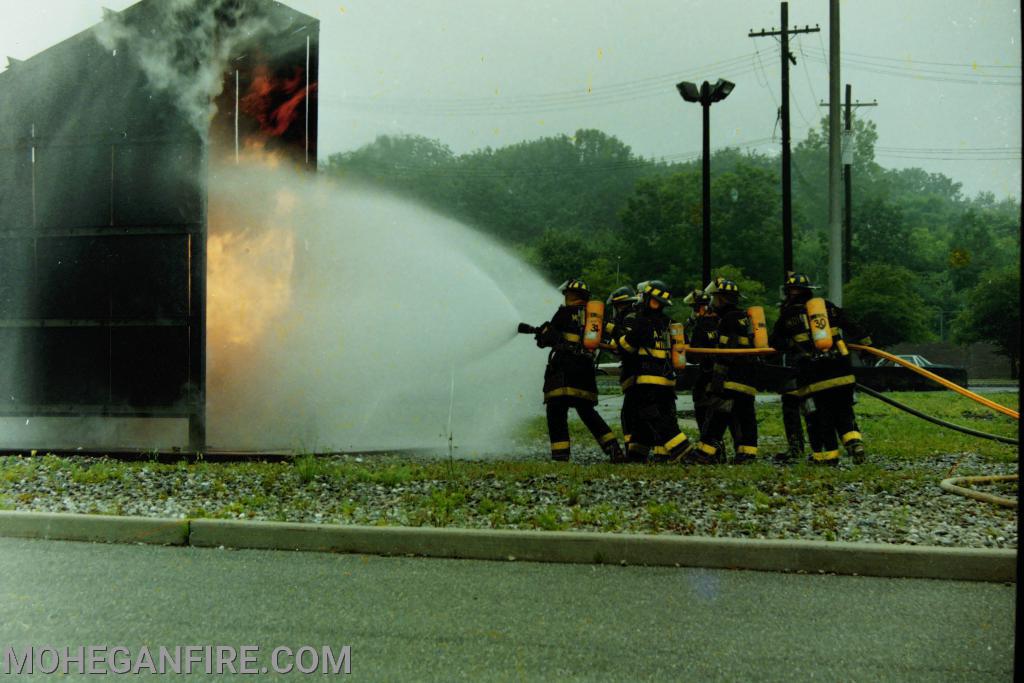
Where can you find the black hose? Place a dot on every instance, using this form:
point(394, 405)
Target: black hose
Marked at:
point(934, 420)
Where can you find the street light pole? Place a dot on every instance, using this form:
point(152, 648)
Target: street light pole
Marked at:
point(706, 172)
point(706, 95)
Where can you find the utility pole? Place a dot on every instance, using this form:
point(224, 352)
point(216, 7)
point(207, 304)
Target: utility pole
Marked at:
point(787, 192)
point(848, 178)
point(835, 229)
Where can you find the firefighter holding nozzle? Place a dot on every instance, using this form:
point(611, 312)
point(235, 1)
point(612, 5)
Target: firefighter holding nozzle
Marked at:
point(814, 330)
point(570, 378)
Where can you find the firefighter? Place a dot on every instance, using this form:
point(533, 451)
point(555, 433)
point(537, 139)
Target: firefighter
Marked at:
point(569, 379)
point(650, 387)
point(732, 387)
point(700, 331)
point(792, 405)
point(824, 377)
point(617, 307)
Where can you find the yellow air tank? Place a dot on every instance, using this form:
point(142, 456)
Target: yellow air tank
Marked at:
point(675, 330)
point(821, 333)
point(757, 322)
point(594, 325)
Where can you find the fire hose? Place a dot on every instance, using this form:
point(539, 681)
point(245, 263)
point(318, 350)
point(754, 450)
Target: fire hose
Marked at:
point(881, 354)
point(934, 420)
point(950, 484)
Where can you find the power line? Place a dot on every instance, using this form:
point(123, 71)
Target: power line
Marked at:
point(545, 102)
point(921, 61)
point(921, 76)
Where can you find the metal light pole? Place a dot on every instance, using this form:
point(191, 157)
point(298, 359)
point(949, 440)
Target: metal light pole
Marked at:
point(706, 95)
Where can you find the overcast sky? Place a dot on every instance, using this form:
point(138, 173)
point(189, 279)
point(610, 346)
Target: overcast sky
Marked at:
point(474, 73)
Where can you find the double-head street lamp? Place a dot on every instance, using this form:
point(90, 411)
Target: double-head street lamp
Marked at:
point(706, 94)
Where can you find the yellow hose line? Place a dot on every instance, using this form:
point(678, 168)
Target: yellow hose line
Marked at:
point(941, 380)
point(728, 352)
point(951, 486)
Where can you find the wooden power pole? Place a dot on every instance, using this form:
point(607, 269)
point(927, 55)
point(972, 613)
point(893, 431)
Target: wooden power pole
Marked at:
point(787, 191)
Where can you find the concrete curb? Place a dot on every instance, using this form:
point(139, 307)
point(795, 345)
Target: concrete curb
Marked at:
point(866, 559)
point(98, 528)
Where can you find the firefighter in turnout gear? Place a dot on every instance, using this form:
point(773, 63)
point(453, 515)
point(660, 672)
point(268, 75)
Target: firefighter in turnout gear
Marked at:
point(792, 404)
point(701, 330)
point(650, 385)
point(815, 333)
point(617, 307)
point(569, 379)
point(732, 387)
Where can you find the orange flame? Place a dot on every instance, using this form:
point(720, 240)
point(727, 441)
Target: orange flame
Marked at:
point(274, 102)
point(250, 260)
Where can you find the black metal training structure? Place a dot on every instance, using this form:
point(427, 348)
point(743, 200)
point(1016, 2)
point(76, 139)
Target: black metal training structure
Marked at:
point(103, 206)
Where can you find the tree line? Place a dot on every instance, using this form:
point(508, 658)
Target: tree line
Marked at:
point(927, 261)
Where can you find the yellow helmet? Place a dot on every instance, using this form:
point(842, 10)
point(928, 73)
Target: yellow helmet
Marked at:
point(575, 285)
point(656, 289)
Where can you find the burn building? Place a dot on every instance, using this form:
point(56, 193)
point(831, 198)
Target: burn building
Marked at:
point(103, 199)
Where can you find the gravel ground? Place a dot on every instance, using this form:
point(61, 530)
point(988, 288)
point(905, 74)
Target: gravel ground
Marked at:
point(887, 501)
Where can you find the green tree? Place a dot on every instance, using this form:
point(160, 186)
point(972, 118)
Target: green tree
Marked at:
point(993, 315)
point(885, 300)
point(880, 235)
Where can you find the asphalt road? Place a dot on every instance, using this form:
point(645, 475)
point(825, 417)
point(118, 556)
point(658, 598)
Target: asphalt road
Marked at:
point(420, 619)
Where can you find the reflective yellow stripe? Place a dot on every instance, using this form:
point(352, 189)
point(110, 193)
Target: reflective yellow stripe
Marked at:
point(742, 388)
point(559, 445)
point(743, 341)
point(568, 336)
point(660, 450)
point(655, 379)
point(747, 450)
point(722, 339)
point(655, 353)
point(675, 441)
point(843, 351)
point(569, 391)
point(610, 436)
point(625, 345)
point(825, 455)
point(802, 337)
point(626, 438)
point(826, 384)
point(850, 436)
point(710, 450)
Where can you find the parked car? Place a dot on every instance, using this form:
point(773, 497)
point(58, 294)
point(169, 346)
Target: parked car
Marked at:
point(888, 375)
point(919, 361)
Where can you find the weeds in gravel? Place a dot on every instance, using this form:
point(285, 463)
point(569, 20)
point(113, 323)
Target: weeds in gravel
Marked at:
point(96, 473)
point(309, 467)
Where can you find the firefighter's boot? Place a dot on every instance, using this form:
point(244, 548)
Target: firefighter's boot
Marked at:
point(615, 453)
point(637, 452)
point(855, 447)
point(704, 454)
point(744, 455)
point(830, 458)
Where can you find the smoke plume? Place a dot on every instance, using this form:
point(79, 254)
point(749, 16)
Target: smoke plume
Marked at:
point(188, 55)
